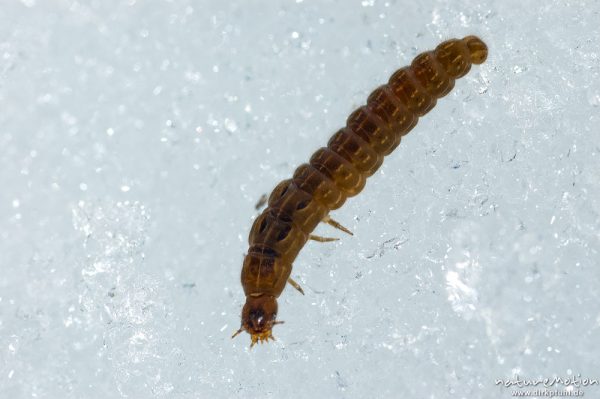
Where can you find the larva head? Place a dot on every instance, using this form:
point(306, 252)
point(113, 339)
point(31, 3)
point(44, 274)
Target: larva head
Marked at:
point(258, 318)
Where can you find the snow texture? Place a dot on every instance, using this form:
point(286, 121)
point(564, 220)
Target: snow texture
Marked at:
point(137, 136)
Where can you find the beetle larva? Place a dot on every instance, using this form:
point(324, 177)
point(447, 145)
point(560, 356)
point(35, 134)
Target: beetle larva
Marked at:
point(334, 173)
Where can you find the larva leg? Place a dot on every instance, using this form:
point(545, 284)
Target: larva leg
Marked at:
point(327, 219)
point(262, 201)
point(321, 239)
point(295, 285)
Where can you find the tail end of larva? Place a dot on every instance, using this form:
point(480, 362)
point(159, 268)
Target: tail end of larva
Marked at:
point(477, 48)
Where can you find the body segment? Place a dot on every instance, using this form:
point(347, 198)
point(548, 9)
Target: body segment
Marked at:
point(339, 171)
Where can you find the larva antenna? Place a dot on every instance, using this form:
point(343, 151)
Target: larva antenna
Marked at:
point(235, 334)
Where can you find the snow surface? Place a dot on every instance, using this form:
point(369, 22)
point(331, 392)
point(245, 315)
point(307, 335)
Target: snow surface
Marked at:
point(137, 136)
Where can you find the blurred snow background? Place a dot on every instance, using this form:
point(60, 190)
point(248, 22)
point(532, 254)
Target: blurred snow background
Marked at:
point(137, 136)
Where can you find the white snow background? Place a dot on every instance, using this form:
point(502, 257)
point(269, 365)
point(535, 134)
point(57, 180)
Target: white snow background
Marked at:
point(137, 136)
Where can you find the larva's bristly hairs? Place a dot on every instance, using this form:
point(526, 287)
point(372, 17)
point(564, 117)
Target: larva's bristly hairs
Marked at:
point(339, 171)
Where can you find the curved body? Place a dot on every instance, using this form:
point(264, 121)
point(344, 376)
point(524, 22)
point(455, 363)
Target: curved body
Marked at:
point(339, 171)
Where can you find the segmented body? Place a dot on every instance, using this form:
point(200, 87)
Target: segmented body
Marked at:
point(340, 170)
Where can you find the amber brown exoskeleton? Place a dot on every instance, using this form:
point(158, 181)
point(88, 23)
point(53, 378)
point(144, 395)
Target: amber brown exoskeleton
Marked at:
point(334, 173)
